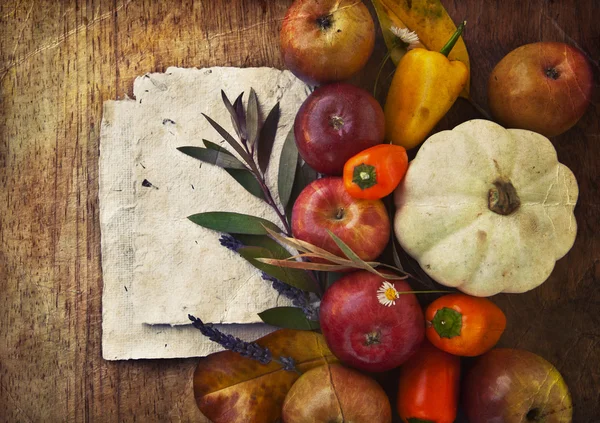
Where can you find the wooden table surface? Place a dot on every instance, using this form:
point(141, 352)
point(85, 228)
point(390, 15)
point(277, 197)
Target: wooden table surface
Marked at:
point(59, 61)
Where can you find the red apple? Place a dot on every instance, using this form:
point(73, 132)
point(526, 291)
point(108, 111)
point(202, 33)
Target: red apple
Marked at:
point(336, 122)
point(511, 386)
point(363, 332)
point(544, 87)
point(327, 40)
point(333, 393)
point(325, 205)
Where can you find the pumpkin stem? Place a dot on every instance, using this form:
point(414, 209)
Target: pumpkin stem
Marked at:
point(503, 198)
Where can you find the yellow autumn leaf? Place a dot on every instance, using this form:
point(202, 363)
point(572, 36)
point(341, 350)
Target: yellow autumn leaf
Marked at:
point(431, 22)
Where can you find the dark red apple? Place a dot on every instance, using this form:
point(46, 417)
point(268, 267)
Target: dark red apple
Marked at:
point(326, 40)
point(544, 87)
point(325, 205)
point(336, 122)
point(333, 393)
point(515, 386)
point(365, 333)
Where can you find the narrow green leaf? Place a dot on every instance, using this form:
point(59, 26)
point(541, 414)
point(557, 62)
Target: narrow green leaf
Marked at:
point(232, 113)
point(292, 277)
point(304, 176)
point(351, 254)
point(230, 140)
point(266, 138)
point(233, 223)
point(217, 158)
point(264, 241)
point(246, 179)
point(288, 318)
point(287, 168)
point(252, 117)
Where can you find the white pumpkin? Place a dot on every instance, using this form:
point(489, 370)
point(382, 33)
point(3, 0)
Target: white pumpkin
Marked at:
point(487, 209)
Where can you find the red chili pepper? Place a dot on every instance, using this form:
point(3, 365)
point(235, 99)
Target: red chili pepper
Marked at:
point(375, 172)
point(429, 383)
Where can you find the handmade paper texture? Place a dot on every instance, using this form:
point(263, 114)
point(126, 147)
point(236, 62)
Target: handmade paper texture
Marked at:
point(152, 266)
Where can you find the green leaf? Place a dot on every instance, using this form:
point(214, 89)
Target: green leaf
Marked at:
point(304, 176)
point(217, 158)
point(234, 117)
point(252, 117)
point(266, 138)
point(244, 177)
point(230, 140)
point(288, 318)
point(233, 223)
point(287, 168)
point(264, 241)
point(292, 277)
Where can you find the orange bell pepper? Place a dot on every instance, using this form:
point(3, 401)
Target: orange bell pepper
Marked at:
point(375, 172)
point(426, 84)
point(428, 388)
point(464, 325)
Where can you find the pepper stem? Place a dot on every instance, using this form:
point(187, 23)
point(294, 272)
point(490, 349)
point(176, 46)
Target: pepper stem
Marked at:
point(450, 44)
point(447, 322)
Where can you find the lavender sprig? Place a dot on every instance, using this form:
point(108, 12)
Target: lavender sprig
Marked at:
point(245, 349)
point(230, 242)
point(299, 298)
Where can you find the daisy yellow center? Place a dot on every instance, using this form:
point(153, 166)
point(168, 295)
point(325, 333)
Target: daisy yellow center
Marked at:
point(390, 294)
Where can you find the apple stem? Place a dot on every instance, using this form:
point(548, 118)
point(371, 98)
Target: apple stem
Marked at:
point(452, 41)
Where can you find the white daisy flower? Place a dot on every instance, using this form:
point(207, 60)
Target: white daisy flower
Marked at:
point(410, 38)
point(387, 294)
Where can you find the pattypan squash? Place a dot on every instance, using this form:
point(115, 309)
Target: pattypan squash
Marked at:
point(486, 209)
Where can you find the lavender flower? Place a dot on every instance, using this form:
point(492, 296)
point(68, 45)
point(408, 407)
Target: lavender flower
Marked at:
point(245, 349)
point(230, 242)
point(298, 297)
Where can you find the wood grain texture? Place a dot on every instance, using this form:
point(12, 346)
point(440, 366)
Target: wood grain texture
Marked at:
point(60, 60)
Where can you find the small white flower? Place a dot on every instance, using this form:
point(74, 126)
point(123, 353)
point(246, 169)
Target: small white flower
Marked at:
point(410, 38)
point(387, 294)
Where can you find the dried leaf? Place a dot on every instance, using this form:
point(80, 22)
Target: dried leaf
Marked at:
point(349, 253)
point(252, 117)
point(266, 138)
point(231, 388)
point(217, 158)
point(244, 177)
point(305, 265)
point(342, 264)
point(288, 318)
point(293, 277)
point(233, 223)
point(428, 19)
point(287, 168)
point(233, 114)
point(230, 140)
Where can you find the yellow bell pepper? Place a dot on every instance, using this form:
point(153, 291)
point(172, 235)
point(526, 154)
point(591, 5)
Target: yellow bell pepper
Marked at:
point(426, 84)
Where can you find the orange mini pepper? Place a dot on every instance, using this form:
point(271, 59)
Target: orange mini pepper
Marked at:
point(426, 84)
point(375, 172)
point(428, 388)
point(464, 325)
